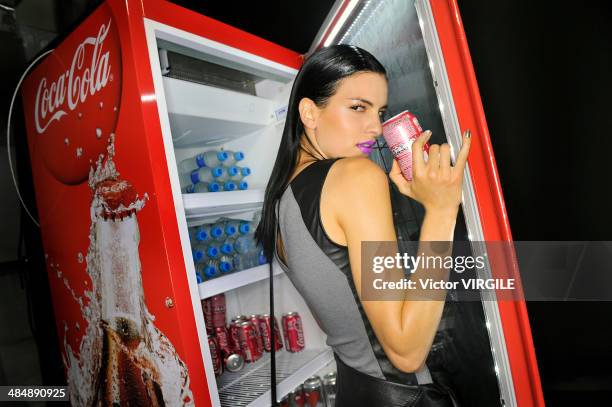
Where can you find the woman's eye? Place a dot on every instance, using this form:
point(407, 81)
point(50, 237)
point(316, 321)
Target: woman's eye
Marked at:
point(382, 115)
point(358, 108)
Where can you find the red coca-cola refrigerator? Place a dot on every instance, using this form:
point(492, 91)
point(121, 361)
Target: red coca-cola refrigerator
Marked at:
point(115, 113)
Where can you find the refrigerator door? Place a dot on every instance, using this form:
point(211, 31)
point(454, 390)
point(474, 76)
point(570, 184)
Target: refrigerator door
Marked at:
point(485, 347)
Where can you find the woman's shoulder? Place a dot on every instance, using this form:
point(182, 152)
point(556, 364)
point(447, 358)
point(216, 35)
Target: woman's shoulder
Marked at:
point(357, 173)
point(353, 182)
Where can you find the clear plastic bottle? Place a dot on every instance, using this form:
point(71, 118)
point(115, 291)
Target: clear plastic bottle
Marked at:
point(199, 234)
point(212, 158)
point(204, 252)
point(233, 157)
point(204, 174)
point(256, 219)
point(244, 227)
point(229, 186)
point(229, 173)
point(234, 173)
point(197, 255)
point(230, 226)
point(216, 232)
point(244, 171)
point(226, 264)
point(228, 246)
point(209, 270)
point(244, 244)
point(239, 262)
point(205, 187)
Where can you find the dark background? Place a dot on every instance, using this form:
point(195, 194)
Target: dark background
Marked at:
point(544, 74)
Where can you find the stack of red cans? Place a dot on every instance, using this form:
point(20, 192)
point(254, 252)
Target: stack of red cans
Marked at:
point(246, 338)
point(224, 355)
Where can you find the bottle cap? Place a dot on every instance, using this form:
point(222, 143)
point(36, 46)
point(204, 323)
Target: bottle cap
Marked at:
point(210, 271)
point(245, 171)
point(225, 267)
point(238, 155)
point(197, 255)
point(217, 171)
point(213, 187)
point(222, 155)
point(195, 176)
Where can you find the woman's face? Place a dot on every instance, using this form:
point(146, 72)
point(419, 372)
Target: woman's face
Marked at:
point(350, 117)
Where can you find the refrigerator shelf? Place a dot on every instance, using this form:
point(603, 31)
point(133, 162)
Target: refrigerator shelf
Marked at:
point(194, 120)
point(235, 280)
point(251, 386)
point(222, 203)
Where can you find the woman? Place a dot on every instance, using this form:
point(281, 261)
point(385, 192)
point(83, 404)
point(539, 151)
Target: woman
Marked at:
point(325, 197)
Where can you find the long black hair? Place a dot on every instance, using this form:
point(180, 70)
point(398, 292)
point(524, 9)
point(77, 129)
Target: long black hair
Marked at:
point(317, 80)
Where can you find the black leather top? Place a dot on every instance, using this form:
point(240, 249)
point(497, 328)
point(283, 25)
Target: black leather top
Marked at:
point(307, 187)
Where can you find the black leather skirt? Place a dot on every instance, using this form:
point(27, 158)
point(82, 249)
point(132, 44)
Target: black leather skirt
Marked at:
point(356, 389)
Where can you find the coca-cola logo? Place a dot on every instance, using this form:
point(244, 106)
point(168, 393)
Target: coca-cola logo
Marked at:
point(73, 98)
point(76, 84)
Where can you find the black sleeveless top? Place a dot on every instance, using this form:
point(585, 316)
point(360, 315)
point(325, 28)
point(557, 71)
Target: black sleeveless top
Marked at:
point(306, 188)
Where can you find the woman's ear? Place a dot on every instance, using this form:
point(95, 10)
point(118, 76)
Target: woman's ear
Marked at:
point(308, 113)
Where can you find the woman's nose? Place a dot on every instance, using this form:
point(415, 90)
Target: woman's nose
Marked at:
point(375, 126)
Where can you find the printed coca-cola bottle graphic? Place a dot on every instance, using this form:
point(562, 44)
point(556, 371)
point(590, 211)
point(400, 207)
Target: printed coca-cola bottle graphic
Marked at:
point(123, 358)
point(128, 372)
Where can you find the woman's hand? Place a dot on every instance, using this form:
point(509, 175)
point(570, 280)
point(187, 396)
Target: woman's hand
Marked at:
point(435, 184)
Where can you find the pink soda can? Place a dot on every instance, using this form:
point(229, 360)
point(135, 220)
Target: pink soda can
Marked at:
point(400, 132)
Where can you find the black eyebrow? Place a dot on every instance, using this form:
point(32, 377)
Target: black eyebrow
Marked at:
point(368, 102)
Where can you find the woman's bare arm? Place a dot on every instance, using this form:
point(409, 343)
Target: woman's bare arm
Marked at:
point(362, 207)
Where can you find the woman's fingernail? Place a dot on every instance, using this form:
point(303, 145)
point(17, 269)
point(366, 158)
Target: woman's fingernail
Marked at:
point(467, 133)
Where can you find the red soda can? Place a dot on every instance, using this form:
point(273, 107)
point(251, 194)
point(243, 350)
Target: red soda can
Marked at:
point(293, 332)
point(223, 340)
point(254, 319)
point(400, 132)
point(265, 328)
point(214, 353)
point(284, 402)
point(233, 362)
point(208, 315)
point(241, 317)
point(234, 336)
point(296, 397)
point(218, 310)
point(248, 342)
point(313, 392)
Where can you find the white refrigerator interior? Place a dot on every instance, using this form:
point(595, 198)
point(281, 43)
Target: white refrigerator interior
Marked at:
point(212, 97)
